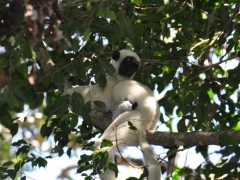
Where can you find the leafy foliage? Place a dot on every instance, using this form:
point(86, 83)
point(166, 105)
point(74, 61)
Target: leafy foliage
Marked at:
point(184, 45)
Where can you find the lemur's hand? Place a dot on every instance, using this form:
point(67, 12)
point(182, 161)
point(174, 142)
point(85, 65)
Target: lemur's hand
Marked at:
point(125, 106)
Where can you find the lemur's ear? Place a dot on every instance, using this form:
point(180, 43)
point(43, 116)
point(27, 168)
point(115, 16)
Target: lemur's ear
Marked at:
point(116, 55)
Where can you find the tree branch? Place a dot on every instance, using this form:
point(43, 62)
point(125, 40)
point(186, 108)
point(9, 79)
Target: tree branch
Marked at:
point(197, 138)
point(43, 56)
point(171, 139)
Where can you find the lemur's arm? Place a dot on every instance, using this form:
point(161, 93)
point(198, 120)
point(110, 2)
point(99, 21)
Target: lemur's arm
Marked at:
point(88, 92)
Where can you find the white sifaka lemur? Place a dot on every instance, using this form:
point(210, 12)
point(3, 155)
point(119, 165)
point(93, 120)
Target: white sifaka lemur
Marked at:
point(128, 100)
point(126, 64)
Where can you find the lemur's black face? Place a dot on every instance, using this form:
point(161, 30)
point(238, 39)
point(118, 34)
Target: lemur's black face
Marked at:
point(128, 67)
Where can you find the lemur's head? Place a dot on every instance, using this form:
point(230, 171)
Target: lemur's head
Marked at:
point(125, 62)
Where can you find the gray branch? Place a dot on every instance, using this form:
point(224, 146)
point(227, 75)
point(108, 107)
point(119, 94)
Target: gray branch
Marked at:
point(171, 139)
point(197, 138)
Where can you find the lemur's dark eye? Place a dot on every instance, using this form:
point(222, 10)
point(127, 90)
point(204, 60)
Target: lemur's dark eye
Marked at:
point(128, 58)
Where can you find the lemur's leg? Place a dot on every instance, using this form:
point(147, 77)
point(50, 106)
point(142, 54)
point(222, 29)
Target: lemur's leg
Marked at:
point(149, 156)
point(110, 132)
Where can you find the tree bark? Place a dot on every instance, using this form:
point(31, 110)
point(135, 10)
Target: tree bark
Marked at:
point(197, 138)
point(43, 56)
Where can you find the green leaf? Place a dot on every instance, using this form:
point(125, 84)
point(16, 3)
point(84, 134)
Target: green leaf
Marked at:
point(138, 1)
point(41, 162)
point(48, 157)
point(88, 178)
point(105, 13)
point(200, 111)
point(5, 119)
point(103, 156)
point(86, 34)
point(228, 140)
point(175, 83)
point(26, 49)
point(108, 67)
point(77, 103)
point(134, 178)
point(189, 98)
point(8, 163)
point(187, 34)
point(69, 152)
point(110, 14)
point(86, 117)
point(154, 26)
point(100, 75)
point(90, 148)
point(161, 8)
point(23, 178)
point(14, 129)
point(234, 76)
point(3, 169)
point(17, 166)
point(77, 68)
point(73, 121)
point(237, 127)
point(113, 167)
point(12, 173)
point(231, 44)
point(66, 117)
point(101, 11)
point(181, 38)
point(131, 126)
point(58, 80)
point(144, 175)
point(5, 176)
point(20, 95)
point(171, 153)
point(203, 150)
point(83, 168)
point(19, 143)
point(99, 104)
point(101, 80)
point(210, 94)
point(78, 99)
point(43, 130)
point(59, 106)
point(181, 126)
point(106, 143)
point(24, 150)
point(85, 158)
point(87, 106)
point(235, 37)
point(125, 24)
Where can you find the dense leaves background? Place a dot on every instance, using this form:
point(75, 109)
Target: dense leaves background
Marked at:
point(182, 45)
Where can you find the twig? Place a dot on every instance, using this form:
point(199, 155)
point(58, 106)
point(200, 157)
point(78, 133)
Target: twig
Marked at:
point(211, 66)
point(198, 44)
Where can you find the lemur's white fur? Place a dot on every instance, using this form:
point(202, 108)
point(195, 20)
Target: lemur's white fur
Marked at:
point(118, 95)
point(144, 117)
